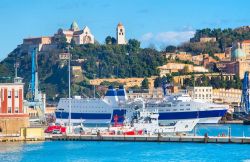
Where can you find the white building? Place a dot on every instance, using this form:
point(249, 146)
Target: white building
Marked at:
point(83, 36)
point(120, 34)
point(74, 33)
point(155, 93)
point(201, 93)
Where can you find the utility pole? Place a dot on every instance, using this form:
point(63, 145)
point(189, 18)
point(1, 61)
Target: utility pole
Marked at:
point(70, 131)
point(94, 85)
point(16, 66)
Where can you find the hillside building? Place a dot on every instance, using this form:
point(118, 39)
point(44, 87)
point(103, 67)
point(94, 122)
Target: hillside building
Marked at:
point(74, 33)
point(178, 67)
point(201, 93)
point(207, 39)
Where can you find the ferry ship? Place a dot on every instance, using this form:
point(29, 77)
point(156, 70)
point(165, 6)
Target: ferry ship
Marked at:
point(96, 110)
point(181, 107)
point(115, 104)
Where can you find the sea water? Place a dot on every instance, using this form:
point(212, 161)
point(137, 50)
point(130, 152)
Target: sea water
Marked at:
point(66, 151)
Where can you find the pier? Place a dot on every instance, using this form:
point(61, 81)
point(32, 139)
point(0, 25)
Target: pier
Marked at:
point(151, 138)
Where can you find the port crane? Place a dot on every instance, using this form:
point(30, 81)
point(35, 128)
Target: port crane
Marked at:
point(245, 94)
point(244, 104)
point(36, 99)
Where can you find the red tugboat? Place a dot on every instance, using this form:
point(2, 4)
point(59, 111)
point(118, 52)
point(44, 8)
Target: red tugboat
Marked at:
point(123, 129)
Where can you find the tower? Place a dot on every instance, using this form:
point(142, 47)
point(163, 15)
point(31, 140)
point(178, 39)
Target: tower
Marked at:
point(120, 34)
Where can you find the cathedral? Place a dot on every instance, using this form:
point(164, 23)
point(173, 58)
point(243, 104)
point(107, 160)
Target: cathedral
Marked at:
point(240, 60)
point(241, 57)
point(78, 36)
point(74, 33)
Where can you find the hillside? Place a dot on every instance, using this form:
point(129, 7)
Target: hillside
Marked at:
point(107, 61)
point(103, 61)
point(224, 39)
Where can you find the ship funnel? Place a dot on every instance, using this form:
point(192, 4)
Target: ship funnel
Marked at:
point(121, 93)
point(111, 96)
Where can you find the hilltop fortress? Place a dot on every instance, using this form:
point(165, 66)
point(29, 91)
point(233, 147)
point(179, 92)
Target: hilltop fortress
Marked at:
point(73, 34)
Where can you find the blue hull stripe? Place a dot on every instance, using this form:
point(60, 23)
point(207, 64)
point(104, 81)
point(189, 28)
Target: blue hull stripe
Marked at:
point(65, 115)
point(191, 114)
point(94, 116)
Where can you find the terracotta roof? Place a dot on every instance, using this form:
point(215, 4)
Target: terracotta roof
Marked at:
point(246, 41)
point(119, 24)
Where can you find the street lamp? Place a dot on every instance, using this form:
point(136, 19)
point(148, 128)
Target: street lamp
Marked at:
point(130, 72)
point(94, 84)
point(69, 57)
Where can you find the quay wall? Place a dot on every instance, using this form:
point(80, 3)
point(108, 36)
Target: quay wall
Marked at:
point(11, 124)
point(143, 138)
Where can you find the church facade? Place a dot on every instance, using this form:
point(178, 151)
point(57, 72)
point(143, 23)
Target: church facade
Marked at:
point(83, 36)
point(240, 60)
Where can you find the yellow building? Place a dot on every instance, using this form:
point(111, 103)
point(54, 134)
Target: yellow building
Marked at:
point(178, 67)
point(207, 39)
point(227, 95)
point(245, 45)
point(37, 40)
point(127, 82)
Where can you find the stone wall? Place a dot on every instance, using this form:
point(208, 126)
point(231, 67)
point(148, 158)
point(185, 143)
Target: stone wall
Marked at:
point(11, 125)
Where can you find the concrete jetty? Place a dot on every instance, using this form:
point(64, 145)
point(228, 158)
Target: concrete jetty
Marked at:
point(151, 138)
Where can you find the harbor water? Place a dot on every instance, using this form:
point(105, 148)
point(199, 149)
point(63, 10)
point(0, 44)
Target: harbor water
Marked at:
point(131, 151)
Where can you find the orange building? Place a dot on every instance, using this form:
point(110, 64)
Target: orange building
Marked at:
point(37, 40)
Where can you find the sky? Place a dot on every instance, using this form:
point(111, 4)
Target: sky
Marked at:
point(158, 22)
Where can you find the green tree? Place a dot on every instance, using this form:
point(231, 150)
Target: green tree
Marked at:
point(62, 42)
point(171, 49)
point(215, 82)
point(72, 43)
point(158, 82)
point(113, 40)
point(133, 45)
point(145, 83)
point(108, 40)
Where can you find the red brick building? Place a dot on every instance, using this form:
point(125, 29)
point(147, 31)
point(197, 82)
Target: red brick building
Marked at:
point(12, 112)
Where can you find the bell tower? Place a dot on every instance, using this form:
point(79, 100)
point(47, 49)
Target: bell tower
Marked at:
point(120, 34)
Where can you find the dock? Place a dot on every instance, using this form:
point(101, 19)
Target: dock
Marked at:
point(151, 138)
point(134, 138)
point(232, 122)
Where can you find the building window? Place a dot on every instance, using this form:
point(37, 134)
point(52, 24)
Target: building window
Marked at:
point(16, 109)
point(16, 94)
point(9, 109)
point(9, 94)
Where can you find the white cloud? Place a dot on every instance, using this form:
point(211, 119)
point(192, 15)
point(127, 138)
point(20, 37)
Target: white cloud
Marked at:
point(147, 37)
point(167, 38)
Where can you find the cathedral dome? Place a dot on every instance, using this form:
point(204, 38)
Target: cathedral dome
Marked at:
point(74, 26)
point(238, 53)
